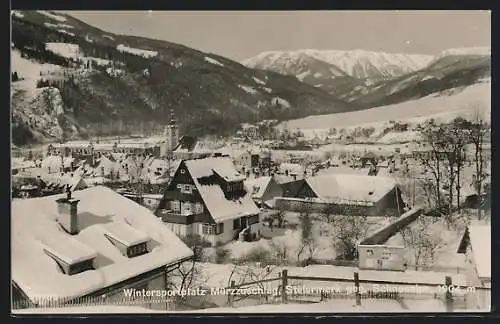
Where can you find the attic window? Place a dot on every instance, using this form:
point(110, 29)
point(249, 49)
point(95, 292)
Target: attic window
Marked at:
point(71, 256)
point(183, 171)
point(129, 241)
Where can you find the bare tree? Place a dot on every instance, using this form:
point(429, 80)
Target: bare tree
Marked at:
point(421, 241)
point(350, 230)
point(431, 160)
point(247, 276)
point(280, 250)
point(308, 242)
point(476, 131)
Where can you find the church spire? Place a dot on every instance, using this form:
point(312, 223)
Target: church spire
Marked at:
point(172, 117)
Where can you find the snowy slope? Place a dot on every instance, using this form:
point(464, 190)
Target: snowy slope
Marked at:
point(464, 51)
point(445, 105)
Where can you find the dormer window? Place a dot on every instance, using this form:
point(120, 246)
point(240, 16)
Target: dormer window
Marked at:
point(136, 250)
point(129, 241)
point(71, 256)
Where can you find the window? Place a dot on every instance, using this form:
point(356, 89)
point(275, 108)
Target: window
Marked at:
point(220, 228)
point(183, 171)
point(137, 250)
point(253, 219)
point(208, 229)
point(229, 188)
point(186, 189)
point(198, 208)
point(176, 205)
point(179, 186)
point(236, 224)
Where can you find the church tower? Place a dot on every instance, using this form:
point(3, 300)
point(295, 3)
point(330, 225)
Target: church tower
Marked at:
point(170, 135)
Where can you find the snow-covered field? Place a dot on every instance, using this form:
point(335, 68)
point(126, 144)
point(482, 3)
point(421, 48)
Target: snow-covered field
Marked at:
point(30, 71)
point(136, 51)
point(443, 107)
point(52, 16)
point(64, 49)
point(213, 61)
point(247, 89)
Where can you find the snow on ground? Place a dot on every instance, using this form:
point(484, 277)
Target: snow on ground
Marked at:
point(52, 16)
point(213, 61)
point(136, 51)
point(50, 25)
point(268, 90)
point(400, 137)
point(247, 89)
point(257, 80)
point(439, 107)
point(64, 49)
point(302, 75)
point(108, 37)
point(66, 32)
point(17, 14)
point(291, 238)
point(332, 306)
point(30, 71)
point(65, 26)
point(282, 102)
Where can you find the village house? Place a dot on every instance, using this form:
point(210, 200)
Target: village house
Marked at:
point(249, 131)
point(86, 150)
point(264, 190)
point(21, 165)
point(242, 161)
point(93, 243)
point(370, 195)
point(476, 245)
point(207, 197)
point(190, 148)
point(294, 170)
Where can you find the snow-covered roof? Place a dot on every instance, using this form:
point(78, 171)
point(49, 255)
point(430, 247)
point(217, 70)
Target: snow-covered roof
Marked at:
point(228, 174)
point(480, 240)
point(21, 164)
point(66, 248)
point(292, 168)
point(343, 170)
point(257, 186)
point(125, 234)
point(218, 205)
point(64, 180)
point(98, 207)
point(350, 187)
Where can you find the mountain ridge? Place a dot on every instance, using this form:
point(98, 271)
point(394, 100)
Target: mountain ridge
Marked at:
point(105, 79)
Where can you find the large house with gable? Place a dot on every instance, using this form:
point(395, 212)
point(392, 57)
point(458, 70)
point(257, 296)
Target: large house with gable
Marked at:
point(89, 246)
point(207, 197)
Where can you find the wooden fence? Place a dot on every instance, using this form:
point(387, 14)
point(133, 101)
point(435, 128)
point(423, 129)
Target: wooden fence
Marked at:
point(452, 299)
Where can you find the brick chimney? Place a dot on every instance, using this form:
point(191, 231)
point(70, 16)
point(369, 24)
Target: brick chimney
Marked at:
point(68, 213)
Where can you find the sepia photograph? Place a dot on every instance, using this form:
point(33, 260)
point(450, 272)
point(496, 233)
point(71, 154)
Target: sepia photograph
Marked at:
point(250, 162)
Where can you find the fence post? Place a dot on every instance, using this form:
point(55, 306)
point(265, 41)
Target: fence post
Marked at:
point(284, 283)
point(448, 295)
point(230, 297)
point(356, 289)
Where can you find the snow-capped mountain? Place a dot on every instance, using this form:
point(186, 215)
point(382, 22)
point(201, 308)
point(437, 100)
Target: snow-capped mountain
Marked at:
point(464, 51)
point(359, 64)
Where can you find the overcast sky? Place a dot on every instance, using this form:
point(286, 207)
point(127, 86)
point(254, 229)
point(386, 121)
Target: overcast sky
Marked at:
point(243, 34)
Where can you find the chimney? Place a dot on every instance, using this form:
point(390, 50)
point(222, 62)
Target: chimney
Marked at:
point(68, 213)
